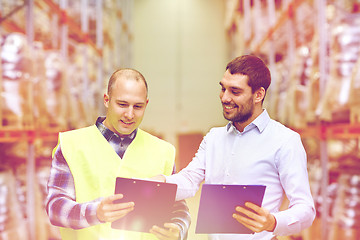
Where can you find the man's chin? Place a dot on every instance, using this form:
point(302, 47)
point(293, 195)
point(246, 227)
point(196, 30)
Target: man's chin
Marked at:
point(236, 118)
point(125, 131)
point(227, 117)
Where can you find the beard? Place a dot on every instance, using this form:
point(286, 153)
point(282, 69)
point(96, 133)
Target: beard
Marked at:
point(245, 113)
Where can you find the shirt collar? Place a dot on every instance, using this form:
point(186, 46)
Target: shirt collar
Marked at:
point(108, 134)
point(260, 123)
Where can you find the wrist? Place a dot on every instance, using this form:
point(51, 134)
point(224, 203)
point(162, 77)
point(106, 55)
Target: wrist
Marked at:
point(273, 225)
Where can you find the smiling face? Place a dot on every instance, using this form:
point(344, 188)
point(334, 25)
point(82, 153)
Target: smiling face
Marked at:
point(240, 104)
point(126, 104)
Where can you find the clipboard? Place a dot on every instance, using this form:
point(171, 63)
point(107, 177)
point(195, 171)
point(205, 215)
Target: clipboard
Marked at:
point(153, 203)
point(217, 205)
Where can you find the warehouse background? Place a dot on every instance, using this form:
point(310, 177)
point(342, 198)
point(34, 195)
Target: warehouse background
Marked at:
point(57, 55)
point(181, 48)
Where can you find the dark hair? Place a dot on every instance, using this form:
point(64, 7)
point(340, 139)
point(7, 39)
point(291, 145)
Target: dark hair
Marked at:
point(128, 73)
point(253, 67)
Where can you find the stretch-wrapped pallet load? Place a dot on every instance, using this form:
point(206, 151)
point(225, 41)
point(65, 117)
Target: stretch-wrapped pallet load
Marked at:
point(280, 91)
point(313, 86)
point(50, 231)
point(43, 229)
point(299, 80)
point(346, 211)
point(38, 87)
point(12, 222)
point(78, 89)
point(16, 81)
point(354, 98)
point(55, 99)
point(344, 54)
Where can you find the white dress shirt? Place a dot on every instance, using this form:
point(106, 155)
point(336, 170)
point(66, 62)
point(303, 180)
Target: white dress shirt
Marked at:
point(265, 153)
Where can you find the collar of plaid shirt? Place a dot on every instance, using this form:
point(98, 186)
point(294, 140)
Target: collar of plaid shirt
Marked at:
point(119, 144)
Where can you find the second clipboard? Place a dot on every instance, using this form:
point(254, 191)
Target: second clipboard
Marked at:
point(218, 203)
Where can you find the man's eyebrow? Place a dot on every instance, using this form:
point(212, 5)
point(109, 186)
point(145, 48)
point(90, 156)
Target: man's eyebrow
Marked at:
point(126, 102)
point(140, 103)
point(121, 101)
point(231, 87)
point(236, 88)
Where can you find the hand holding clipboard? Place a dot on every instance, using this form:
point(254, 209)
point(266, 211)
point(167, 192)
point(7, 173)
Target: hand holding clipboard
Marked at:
point(153, 203)
point(111, 210)
point(255, 218)
point(218, 203)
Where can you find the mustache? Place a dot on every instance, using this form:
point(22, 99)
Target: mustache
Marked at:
point(229, 104)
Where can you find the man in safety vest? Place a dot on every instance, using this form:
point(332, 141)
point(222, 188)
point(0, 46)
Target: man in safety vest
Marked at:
point(86, 162)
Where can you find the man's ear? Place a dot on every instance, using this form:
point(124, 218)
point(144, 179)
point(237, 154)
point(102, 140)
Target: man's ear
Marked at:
point(259, 95)
point(106, 100)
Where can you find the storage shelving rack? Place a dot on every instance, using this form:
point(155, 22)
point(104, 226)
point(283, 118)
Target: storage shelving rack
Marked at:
point(103, 41)
point(254, 41)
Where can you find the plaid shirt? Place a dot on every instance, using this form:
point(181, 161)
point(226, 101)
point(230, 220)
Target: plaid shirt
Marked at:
point(61, 205)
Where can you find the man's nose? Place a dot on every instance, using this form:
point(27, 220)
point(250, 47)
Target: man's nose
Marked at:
point(129, 113)
point(225, 97)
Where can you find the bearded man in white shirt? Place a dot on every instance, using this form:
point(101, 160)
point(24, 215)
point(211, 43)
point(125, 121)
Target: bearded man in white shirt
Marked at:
point(252, 149)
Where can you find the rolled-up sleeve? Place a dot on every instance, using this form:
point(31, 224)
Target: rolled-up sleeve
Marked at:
point(61, 205)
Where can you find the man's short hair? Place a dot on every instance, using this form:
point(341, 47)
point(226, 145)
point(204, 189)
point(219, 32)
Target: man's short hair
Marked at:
point(127, 73)
point(253, 67)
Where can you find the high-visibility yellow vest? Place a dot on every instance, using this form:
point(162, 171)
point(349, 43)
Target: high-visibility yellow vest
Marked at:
point(95, 165)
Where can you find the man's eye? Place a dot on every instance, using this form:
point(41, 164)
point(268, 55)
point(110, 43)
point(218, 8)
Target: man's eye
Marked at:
point(122, 105)
point(138, 107)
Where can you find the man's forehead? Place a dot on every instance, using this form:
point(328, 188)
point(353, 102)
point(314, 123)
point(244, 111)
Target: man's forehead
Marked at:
point(237, 80)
